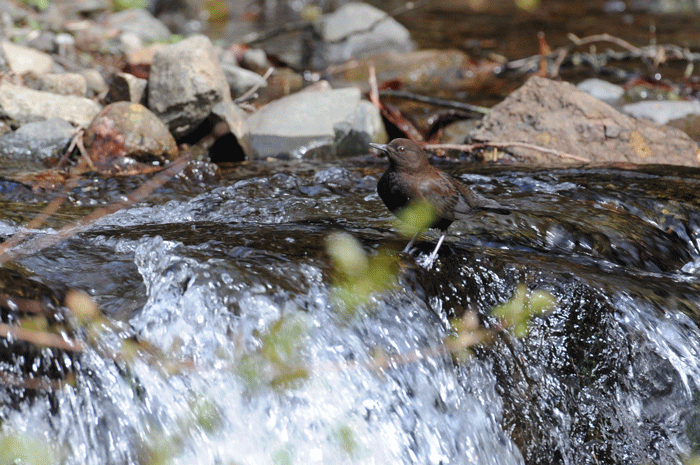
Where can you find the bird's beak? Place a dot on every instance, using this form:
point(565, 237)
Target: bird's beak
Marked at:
point(382, 148)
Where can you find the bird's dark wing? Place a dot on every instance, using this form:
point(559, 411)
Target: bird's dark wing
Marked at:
point(469, 202)
point(441, 193)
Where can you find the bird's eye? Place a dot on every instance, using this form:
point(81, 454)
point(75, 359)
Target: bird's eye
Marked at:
point(402, 148)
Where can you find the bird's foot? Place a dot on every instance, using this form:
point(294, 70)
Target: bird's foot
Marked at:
point(412, 251)
point(427, 262)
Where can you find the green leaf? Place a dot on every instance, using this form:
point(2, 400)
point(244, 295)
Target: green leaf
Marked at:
point(416, 217)
point(522, 307)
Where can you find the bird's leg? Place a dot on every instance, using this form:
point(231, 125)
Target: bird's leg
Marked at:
point(431, 259)
point(407, 249)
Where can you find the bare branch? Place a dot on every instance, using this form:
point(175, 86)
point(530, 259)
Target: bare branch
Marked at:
point(471, 147)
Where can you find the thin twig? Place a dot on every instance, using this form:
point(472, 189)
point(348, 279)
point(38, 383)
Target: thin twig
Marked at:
point(373, 88)
point(250, 92)
point(433, 101)
point(471, 147)
point(605, 37)
point(77, 134)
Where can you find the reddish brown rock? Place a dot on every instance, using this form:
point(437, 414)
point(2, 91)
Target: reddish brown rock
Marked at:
point(123, 134)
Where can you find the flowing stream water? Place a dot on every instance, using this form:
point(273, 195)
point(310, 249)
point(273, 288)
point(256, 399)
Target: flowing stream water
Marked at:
point(218, 279)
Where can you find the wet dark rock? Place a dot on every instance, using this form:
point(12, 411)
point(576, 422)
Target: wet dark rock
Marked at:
point(139, 22)
point(22, 60)
point(26, 366)
point(233, 136)
point(65, 84)
point(336, 119)
point(186, 81)
point(557, 116)
point(180, 16)
point(41, 142)
point(127, 87)
point(20, 105)
point(125, 130)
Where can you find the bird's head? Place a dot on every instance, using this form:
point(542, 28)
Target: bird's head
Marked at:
point(403, 154)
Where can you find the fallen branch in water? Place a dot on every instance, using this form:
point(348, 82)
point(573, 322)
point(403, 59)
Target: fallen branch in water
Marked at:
point(8, 249)
point(472, 147)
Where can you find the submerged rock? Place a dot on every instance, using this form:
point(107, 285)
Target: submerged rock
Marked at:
point(31, 313)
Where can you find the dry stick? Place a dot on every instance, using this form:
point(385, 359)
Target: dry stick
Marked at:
point(373, 88)
point(40, 338)
point(250, 92)
point(470, 147)
point(6, 252)
point(605, 37)
point(77, 134)
point(434, 101)
point(24, 305)
point(563, 52)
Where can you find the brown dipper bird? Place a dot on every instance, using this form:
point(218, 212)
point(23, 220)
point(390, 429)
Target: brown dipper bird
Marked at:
point(410, 178)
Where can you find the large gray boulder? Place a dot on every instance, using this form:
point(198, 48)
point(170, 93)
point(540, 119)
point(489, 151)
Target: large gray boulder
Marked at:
point(336, 120)
point(185, 82)
point(20, 105)
point(358, 30)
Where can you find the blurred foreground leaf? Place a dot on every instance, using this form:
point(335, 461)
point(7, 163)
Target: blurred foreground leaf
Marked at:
point(522, 307)
point(120, 5)
point(415, 218)
point(25, 449)
point(280, 361)
point(357, 276)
